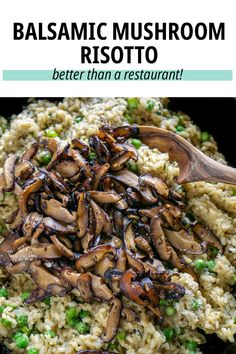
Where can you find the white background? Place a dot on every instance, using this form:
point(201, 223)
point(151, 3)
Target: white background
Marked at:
point(191, 55)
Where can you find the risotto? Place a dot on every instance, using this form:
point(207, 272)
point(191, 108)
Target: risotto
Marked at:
point(208, 304)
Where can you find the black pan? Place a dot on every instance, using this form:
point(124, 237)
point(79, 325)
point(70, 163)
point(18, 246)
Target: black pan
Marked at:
point(215, 115)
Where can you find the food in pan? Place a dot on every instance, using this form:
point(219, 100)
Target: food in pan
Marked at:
point(102, 250)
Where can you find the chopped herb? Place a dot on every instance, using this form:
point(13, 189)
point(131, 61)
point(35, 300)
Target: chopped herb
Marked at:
point(78, 119)
point(47, 301)
point(133, 167)
point(22, 320)
point(33, 351)
point(121, 335)
point(50, 333)
point(25, 296)
point(4, 293)
point(214, 251)
point(191, 345)
point(2, 308)
point(162, 302)
point(82, 328)
point(92, 156)
point(196, 304)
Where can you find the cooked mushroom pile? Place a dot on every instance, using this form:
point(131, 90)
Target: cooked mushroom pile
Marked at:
point(86, 221)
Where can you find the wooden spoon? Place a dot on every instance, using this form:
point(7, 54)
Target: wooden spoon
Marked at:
point(194, 165)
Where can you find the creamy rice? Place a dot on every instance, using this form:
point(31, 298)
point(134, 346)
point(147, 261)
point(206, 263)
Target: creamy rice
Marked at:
point(213, 204)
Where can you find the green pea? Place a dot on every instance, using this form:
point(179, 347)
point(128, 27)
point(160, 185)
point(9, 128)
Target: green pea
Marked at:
point(179, 128)
point(4, 293)
point(6, 323)
point(47, 301)
point(22, 341)
point(192, 352)
point(136, 143)
point(133, 167)
point(196, 304)
point(25, 296)
point(169, 333)
point(150, 105)
point(71, 313)
point(191, 345)
point(33, 351)
point(211, 264)
point(132, 103)
point(50, 333)
point(84, 313)
point(25, 330)
point(162, 302)
point(129, 118)
point(78, 119)
point(92, 156)
point(45, 157)
point(199, 264)
point(121, 335)
point(22, 320)
point(214, 251)
point(82, 328)
point(205, 136)
point(51, 133)
point(2, 308)
point(170, 311)
point(17, 335)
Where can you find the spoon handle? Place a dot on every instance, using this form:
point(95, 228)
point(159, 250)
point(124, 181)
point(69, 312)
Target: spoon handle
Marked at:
point(194, 165)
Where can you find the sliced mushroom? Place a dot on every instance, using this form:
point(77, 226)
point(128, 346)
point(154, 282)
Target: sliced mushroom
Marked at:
point(156, 183)
point(121, 260)
point(62, 248)
point(206, 235)
point(45, 280)
point(131, 288)
point(118, 220)
point(99, 172)
point(83, 217)
point(6, 248)
point(21, 267)
point(37, 295)
point(113, 320)
point(144, 245)
point(30, 153)
point(85, 287)
point(57, 180)
point(104, 197)
point(31, 222)
point(55, 209)
point(56, 226)
point(67, 169)
point(9, 173)
point(129, 237)
point(102, 152)
point(159, 240)
point(35, 237)
point(184, 241)
point(118, 162)
point(100, 289)
point(17, 222)
point(135, 263)
point(87, 351)
point(106, 263)
point(94, 256)
point(61, 148)
point(41, 251)
point(99, 217)
point(27, 191)
point(130, 179)
point(130, 315)
point(78, 144)
point(80, 161)
point(24, 169)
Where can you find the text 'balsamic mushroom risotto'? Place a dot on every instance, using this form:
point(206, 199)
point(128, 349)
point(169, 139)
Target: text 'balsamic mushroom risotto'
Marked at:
point(101, 250)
